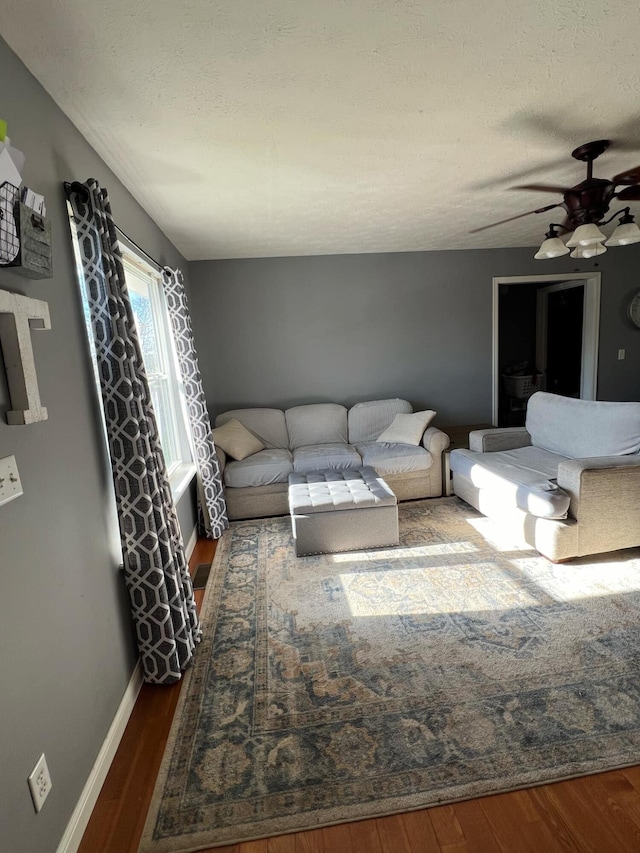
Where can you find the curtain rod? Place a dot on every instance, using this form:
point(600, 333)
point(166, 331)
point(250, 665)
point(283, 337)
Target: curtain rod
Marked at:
point(140, 249)
point(81, 189)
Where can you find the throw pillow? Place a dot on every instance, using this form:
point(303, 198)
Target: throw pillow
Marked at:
point(236, 440)
point(407, 429)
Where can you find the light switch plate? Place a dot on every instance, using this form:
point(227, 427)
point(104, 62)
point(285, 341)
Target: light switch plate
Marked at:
point(10, 485)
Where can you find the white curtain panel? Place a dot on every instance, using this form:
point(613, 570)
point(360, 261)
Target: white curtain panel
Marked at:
point(156, 571)
point(211, 503)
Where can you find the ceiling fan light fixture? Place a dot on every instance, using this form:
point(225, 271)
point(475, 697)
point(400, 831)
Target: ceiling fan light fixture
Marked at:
point(552, 247)
point(624, 234)
point(591, 251)
point(586, 235)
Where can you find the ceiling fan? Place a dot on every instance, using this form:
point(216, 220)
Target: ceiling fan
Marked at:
point(586, 206)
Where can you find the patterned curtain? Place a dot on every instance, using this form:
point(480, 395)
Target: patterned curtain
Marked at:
point(156, 571)
point(211, 504)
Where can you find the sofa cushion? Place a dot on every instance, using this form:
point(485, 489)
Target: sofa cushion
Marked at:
point(268, 424)
point(318, 423)
point(367, 420)
point(583, 428)
point(389, 458)
point(525, 476)
point(261, 469)
point(407, 429)
point(319, 456)
point(236, 440)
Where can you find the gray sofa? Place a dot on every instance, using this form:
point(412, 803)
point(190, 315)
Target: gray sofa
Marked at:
point(568, 482)
point(326, 435)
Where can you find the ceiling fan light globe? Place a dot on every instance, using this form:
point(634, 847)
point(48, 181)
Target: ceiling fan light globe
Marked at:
point(586, 235)
point(552, 247)
point(624, 235)
point(585, 252)
point(593, 250)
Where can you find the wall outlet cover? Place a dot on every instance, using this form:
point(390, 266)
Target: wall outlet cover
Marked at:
point(39, 783)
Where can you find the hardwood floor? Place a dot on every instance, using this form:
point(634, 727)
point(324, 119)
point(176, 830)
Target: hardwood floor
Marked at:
point(593, 814)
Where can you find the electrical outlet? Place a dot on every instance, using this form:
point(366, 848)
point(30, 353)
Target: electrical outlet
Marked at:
point(40, 783)
point(10, 485)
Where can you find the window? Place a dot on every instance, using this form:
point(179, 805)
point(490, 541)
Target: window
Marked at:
point(156, 342)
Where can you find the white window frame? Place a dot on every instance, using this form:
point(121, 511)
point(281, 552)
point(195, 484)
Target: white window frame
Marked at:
point(180, 472)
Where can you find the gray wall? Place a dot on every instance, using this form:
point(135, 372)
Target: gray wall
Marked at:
point(418, 325)
point(67, 643)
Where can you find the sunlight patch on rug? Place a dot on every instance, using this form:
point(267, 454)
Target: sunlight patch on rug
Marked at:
point(457, 588)
point(338, 687)
point(400, 553)
point(584, 578)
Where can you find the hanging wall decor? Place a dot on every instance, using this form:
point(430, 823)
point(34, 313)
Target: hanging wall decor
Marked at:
point(18, 316)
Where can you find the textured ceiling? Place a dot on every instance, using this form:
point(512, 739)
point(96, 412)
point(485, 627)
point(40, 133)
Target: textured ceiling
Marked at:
point(284, 127)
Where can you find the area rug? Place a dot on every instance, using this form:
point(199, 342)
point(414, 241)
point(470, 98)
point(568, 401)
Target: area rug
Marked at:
point(347, 686)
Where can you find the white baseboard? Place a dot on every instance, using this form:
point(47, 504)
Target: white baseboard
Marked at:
point(191, 544)
point(89, 797)
point(82, 812)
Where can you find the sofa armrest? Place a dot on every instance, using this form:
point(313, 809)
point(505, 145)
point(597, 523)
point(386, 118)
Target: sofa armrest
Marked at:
point(498, 438)
point(605, 498)
point(435, 441)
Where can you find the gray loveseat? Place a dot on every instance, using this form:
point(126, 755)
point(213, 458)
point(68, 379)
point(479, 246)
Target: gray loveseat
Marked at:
point(568, 481)
point(326, 435)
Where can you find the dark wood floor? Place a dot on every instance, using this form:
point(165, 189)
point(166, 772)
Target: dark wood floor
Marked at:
point(598, 814)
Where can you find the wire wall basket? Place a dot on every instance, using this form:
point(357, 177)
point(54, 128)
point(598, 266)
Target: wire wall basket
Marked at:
point(9, 239)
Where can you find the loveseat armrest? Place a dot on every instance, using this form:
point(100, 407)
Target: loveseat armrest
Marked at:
point(599, 474)
point(498, 438)
point(435, 441)
point(605, 500)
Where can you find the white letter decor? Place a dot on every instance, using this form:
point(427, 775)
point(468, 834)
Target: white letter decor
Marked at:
point(18, 315)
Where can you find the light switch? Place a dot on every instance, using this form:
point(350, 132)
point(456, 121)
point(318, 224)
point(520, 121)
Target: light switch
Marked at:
point(10, 485)
point(621, 354)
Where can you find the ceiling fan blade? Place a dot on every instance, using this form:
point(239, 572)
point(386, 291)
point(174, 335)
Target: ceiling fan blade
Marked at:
point(632, 176)
point(511, 218)
point(543, 188)
point(629, 194)
point(555, 127)
point(519, 174)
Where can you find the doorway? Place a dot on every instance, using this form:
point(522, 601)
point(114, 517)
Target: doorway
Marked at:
point(545, 327)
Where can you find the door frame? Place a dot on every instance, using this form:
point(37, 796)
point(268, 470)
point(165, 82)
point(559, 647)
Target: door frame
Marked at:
point(590, 328)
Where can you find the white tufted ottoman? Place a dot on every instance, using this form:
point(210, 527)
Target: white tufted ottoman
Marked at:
point(346, 510)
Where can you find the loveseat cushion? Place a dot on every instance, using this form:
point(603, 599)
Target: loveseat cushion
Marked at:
point(388, 458)
point(268, 424)
point(524, 477)
point(262, 469)
point(317, 423)
point(367, 420)
point(337, 455)
point(582, 428)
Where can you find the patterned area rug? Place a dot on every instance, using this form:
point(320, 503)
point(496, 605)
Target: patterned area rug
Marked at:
point(345, 686)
